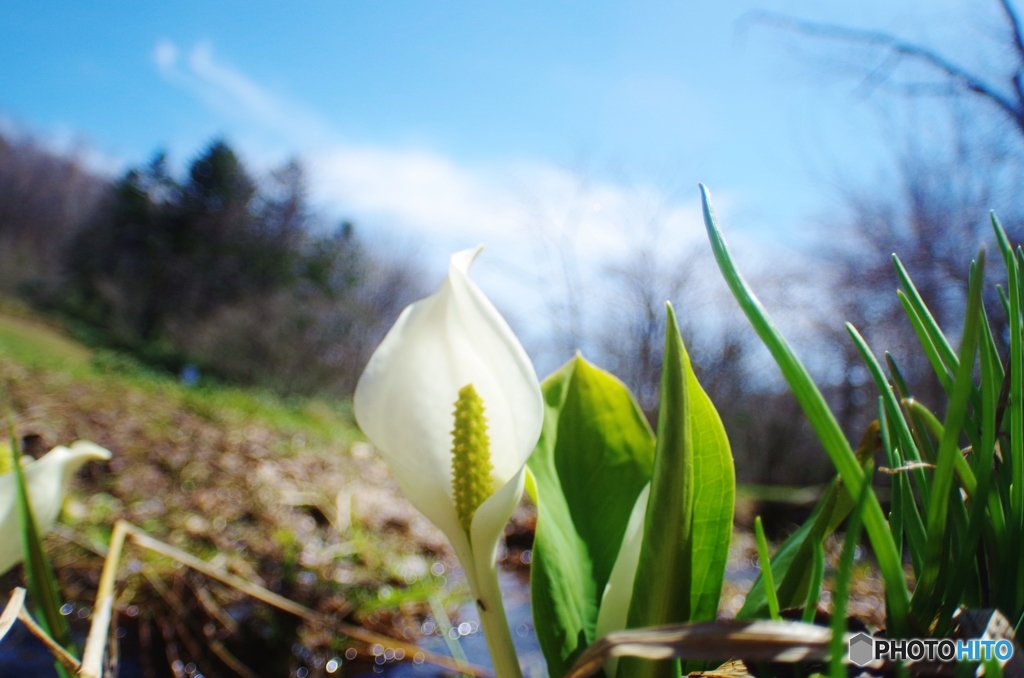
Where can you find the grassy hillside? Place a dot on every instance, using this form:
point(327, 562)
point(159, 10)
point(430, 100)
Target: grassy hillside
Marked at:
point(278, 491)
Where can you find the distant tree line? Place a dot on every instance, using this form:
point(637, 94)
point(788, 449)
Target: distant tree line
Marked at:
point(217, 268)
point(237, 275)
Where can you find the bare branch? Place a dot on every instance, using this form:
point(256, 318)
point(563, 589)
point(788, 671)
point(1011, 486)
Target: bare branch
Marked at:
point(1011, 16)
point(1018, 43)
point(960, 79)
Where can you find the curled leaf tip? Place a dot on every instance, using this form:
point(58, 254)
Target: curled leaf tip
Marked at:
point(472, 482)
point(463, 260)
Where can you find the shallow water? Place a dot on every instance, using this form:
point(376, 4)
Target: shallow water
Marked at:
point(515, 589)
point(22, 654)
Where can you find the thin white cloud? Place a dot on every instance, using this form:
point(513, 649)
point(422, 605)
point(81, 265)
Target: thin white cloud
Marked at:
point(165, 54)
point(547, 228)
point(237, 98)
point(424, 191)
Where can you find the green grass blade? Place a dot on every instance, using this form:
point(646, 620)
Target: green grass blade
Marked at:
point(990, 525)
point(1013, 454)
point(823, 422)
point(42, 583)
point(992, 376)
point(948, 362)
point(902, 390)
point(896, 510)
point(841, 596)
point(989, 346)
point(893, 413)
point(814, 590)
point(960, 465)
point(907, 451)
point(444, 625)
point(766, 570)
point(930, 326)
point(1017, 442)
point(1004, 300)
point(993, 669)
point(928, 591)
point(792, 561)
point(913, 521)
point(930, 350)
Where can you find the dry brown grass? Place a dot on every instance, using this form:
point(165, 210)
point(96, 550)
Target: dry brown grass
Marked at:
point(281, 494)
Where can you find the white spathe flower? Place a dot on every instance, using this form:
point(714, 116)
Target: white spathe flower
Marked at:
point(405, 400)
point(47, 480)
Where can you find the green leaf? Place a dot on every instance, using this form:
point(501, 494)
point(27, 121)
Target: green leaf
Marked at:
point(1013, 454)
point(42, 583)
point(593, 458)
point(963, 469)
point(714, 500)
point(766, 570)
point(992, 524)
point(793, 563)
point(936, 565)
point(798, 548)
point(823, 421)
point(688, 523)
point(842, 592)
point(898, 452)
point(814, 590)
point(940, 354)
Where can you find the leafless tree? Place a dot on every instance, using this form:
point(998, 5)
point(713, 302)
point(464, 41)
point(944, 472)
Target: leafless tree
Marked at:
point(882, 60)
point(932, 207)
point(44, 198)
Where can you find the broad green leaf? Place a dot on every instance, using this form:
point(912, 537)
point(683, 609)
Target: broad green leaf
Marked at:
point(593, 458)
point(688, 523)
point(714, 500)
point(823, 421)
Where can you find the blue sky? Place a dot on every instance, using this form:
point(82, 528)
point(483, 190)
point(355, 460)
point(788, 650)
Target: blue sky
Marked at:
point(523, 125)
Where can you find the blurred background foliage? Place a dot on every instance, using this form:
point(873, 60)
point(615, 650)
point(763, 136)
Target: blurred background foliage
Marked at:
point(239, 275)
point(219, 269)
